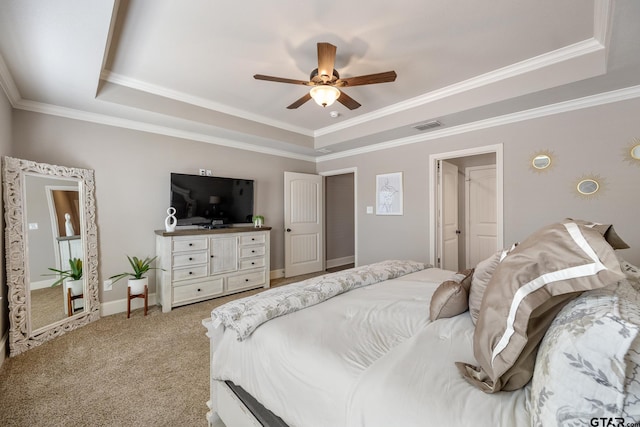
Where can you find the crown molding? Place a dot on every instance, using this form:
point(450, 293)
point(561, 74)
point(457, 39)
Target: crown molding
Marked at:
point(566, 53)
point(8, 84)
point(534, 113)
point(602, 15)
point(70, 113)
point(131, 83)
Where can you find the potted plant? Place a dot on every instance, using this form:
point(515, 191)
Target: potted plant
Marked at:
point(137, 279)
point(74, 274)
point(72, 279)
point(258, 221)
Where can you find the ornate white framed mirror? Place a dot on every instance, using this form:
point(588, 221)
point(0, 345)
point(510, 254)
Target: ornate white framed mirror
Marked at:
point(50, 220)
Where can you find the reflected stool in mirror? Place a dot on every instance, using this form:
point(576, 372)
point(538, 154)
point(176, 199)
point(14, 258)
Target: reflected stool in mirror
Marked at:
point(131, 296)
point(70, 299)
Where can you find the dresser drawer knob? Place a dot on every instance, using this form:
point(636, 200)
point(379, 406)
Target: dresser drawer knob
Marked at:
point(253, 263)
point(190, 259)
point(246, 280)
point(191, 272)
point(190, 244)
point(253, 252)
point(253, 238)
point(199, 289)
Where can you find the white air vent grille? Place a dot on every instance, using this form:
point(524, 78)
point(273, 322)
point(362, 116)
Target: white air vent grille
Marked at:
point(428, 125)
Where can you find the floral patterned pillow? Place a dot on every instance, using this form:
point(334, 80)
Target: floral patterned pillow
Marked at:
point(588, 362)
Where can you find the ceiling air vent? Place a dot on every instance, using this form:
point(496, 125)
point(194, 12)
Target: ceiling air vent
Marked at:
point(427, 125)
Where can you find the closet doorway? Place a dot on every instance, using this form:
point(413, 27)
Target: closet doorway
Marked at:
point(340, 218)
point(466, 217)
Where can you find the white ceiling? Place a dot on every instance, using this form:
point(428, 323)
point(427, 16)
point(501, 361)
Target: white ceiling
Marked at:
point(185, 68)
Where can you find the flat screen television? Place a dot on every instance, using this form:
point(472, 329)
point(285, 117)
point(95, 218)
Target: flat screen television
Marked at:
point(211, 200)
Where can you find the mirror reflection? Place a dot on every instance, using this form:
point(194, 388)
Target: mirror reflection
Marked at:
point(541, 161)
point(53, 217)
point(588, 187)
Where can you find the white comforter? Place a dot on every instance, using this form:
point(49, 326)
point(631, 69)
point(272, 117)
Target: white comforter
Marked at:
point(369, 357)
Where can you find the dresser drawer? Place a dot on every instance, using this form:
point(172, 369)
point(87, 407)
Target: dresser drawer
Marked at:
point(252, 239)
point(246, 264)
point(198, 290)
point(190, 272)
point(249, 280)
point(251, 251)
point(181, 260)
point(182, 245)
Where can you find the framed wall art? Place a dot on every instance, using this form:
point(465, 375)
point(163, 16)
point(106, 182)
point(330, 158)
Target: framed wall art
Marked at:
point(389, 194)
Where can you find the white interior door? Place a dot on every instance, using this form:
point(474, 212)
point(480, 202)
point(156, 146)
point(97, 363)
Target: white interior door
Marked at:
point(449, 230)
point(481, 213)
point(303, 224)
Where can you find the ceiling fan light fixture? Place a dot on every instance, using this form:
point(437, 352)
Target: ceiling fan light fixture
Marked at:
point(324, 95)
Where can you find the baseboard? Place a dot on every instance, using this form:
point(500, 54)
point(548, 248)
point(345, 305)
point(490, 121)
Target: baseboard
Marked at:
point(337, 262)
point(276, 274)
point(4, 347)
point(120, 306)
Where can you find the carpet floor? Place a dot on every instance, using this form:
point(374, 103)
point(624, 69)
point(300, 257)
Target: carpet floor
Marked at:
point(142, 371)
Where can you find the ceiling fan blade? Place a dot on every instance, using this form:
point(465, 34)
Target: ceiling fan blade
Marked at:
point(369, 79)
point(326, 60)
point(300, 101)
point(348, 101)
point(280, 80)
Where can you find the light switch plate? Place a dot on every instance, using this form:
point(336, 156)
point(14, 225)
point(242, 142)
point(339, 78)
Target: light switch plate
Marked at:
point(369, 210)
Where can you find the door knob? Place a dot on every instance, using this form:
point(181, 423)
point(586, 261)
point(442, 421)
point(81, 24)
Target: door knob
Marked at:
point(288, 230)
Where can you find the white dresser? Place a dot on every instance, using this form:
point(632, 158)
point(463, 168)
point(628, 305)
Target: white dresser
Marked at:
point(203, 264)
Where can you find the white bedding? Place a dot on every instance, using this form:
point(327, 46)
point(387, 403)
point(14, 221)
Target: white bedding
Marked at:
point(367, 357)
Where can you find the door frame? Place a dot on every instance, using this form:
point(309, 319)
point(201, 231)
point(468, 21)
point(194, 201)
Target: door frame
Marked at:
point(433, 202)
point(354, 171)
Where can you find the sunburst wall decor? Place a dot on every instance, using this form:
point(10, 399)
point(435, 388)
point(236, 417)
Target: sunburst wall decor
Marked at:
point(631, 152)
point(541, 161)
point(589, 186)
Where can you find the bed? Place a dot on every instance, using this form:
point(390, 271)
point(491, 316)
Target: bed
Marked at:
point(362, 347)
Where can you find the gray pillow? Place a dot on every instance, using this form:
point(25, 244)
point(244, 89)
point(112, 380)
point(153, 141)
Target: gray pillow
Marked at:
point(451, 297)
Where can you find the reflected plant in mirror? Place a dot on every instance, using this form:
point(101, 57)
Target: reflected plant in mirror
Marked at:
point(588, 186)
point(50, 226)
point(541, 161)
point(632, 152)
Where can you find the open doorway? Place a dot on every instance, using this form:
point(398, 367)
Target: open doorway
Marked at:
point(466, 217)
point(340, 218)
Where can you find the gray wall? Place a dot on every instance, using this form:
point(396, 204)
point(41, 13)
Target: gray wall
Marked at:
point(132, 179)
point(5, 150)
point(340, 227)
point(132, 171)
point(588, 141)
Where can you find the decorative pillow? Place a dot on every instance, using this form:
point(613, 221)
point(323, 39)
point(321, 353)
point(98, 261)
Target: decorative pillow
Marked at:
point(587, 364)
point(451, 297)
point(527, 290)
point(630, 271)
point(606, 230)
point(481, 276)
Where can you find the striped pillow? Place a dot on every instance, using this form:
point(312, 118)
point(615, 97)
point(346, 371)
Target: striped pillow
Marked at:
point(526, 291)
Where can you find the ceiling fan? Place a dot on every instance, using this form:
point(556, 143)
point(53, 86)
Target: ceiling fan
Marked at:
point(325, 81)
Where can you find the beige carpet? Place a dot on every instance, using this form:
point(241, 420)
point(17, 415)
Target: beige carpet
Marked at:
point(142, 371)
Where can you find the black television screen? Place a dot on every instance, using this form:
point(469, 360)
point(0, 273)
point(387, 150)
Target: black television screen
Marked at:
point(204, 200)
